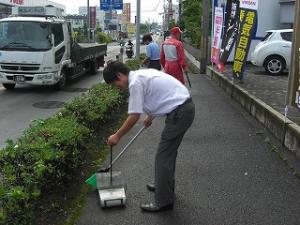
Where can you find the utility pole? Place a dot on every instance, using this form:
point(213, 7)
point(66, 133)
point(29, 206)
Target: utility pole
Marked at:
point(205, 35)
point(168, 15)
point(179, 11)
point(138, 24)
point(293, 82)
point(88, 19)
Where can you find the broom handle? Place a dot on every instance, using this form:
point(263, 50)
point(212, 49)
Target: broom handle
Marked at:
point(188, 78)
point(125, 148)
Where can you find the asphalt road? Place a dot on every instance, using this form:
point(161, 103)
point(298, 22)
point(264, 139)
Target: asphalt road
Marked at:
point(25, 103)
point(226, 173)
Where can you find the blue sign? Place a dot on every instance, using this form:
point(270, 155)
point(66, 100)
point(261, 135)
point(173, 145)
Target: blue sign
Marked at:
point(111, 4)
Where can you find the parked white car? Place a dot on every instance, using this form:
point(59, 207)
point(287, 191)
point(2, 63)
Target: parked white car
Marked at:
point(274, 51)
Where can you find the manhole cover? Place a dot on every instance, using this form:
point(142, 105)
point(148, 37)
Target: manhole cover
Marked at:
point(75, 89)
point(49, 105)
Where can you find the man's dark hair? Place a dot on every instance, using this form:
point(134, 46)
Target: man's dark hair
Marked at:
point(147, 37)
point(111, 70)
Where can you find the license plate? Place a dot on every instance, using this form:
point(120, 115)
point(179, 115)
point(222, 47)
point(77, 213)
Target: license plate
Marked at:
point(19, 78)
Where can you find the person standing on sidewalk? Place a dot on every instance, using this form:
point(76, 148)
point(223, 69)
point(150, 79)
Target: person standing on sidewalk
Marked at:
point(172, 56)
point(152, 53)
point(156, 94)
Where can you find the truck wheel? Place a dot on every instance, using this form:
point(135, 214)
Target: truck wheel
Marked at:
point(274, 65)
point(62, 82)
point(93, 68)
point(9, 86)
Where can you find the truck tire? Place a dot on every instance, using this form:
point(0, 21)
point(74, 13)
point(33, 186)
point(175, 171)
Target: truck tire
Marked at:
point(93, 68)
point(9, 86)
point(62, 82)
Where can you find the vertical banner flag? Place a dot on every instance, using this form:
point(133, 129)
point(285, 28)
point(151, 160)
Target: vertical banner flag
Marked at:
point(248, 18)
point(216, 42)
point(230, 31)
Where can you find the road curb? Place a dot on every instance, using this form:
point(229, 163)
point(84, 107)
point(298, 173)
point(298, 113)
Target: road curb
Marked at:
point(283, 129)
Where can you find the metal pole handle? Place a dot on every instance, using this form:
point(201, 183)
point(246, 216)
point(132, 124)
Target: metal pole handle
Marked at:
point(111, 157)
point(188, 78)
point(122, 152)
point(129, 143)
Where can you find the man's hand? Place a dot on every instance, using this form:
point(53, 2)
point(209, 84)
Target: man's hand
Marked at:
point(148, 121)
point(127, 125)
point(113, 140)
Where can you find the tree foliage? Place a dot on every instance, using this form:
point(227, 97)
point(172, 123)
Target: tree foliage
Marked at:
point(190, 21)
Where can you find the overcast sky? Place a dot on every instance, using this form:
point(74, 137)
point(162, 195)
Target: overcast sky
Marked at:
point(149, 8)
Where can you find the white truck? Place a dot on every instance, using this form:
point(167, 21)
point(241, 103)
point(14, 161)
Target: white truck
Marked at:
point(37, 47)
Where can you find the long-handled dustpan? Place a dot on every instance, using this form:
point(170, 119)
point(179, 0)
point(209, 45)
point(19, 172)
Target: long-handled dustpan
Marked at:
point(92, 180)
point(110, 185)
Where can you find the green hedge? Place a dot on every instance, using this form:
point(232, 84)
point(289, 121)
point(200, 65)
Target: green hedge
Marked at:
point(50, 152)
point(102, 37)
point(133, 64)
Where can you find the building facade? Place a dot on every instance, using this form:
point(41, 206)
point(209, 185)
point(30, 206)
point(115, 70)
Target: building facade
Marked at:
point(6, 5)
point(77, 21)
point(100, 16)
point(287, 12)
point(126, 13)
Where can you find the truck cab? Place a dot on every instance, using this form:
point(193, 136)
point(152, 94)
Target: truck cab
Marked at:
point(36, 47)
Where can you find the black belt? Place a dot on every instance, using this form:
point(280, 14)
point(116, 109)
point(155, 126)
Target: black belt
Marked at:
point(154, 60)
point(185, 102)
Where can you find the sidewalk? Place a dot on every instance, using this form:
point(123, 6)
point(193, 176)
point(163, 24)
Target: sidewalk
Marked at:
point(226, 173)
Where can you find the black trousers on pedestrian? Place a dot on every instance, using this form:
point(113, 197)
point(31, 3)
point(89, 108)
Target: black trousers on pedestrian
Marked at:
point(154, 64)
point(176, 124)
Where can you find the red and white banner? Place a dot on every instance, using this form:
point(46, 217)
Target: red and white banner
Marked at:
point(216, 41)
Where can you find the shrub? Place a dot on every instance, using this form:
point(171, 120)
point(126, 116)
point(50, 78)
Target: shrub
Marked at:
point(103, 38)
point(133, 64)
point(95, 107)
point(49, 153)
point(42, 158)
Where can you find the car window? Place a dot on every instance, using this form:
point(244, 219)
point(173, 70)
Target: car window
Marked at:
point(287, 36)
point(267, 36)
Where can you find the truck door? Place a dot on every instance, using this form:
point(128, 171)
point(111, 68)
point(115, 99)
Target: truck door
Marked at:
point(59, 42)
point(69, 39)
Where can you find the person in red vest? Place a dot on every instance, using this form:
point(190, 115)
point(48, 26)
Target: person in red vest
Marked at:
point(172, 56)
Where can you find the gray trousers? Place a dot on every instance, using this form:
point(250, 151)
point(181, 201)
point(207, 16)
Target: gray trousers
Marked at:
point(176, 124)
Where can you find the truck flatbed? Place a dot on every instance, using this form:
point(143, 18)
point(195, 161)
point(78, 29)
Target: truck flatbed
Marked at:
point(85, 51)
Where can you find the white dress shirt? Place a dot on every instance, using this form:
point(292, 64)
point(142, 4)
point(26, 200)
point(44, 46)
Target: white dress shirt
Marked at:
point(154, 92)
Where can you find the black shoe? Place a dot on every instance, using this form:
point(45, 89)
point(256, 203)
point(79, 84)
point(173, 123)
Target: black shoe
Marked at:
point(154, 208)
point(150, 187)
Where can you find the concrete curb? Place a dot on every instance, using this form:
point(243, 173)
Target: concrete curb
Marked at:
point(283, 129)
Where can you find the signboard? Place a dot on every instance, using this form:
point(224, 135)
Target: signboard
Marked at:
point(17, 2)
point(249, 4)
point(112, 26)
point(230, 31)
point(216, 41)
point(93, 17)
point(131, 28)
point(248, 18)
point(37, 10)
point(111, 4)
